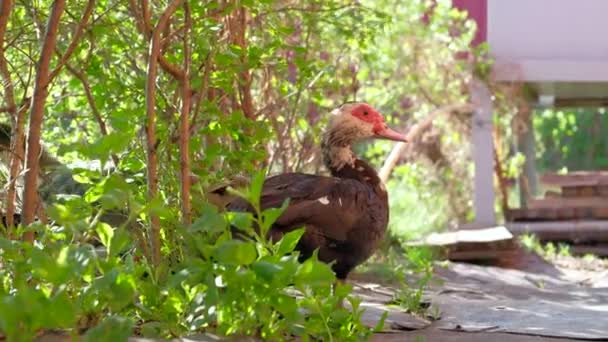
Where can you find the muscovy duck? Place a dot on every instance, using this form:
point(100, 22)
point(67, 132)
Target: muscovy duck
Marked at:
point(345, 216)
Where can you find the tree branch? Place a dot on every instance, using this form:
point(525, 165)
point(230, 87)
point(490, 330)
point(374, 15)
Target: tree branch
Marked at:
point(78, 32)
point(415, 132)
point(152, 156)
point(146, 17)
point(91, 100)
point(143, 24)
point(135, 13)
point(170, 68)
point(36, 114)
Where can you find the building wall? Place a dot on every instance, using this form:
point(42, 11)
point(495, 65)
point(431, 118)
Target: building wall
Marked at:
point(567, 30)
point(478, 11)
point(544, 40)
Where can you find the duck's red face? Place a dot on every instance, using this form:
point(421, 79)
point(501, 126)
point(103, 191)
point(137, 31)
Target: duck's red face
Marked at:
point(370, 116)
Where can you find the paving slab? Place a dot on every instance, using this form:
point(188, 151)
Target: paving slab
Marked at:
point(476, 298)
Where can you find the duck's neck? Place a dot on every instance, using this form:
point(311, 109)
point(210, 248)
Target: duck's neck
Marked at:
point(341, 162)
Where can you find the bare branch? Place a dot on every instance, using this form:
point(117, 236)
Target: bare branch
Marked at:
point(170, 68)
point(78, 32)
point(415, 132)
point(36, 114)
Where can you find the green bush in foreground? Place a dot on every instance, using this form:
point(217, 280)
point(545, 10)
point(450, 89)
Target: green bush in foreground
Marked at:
point(211, 282)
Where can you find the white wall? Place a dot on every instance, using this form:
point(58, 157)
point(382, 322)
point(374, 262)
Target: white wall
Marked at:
point(549, 40)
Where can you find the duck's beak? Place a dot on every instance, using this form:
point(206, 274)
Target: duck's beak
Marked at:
point(386, 132)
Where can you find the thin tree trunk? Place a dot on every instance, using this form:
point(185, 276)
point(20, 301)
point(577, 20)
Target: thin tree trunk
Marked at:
point(7, 82)
point(36, 115)
point(237, 29)
point(17, 153)
point(9, 98)
point(184, 127)
point(152, 156)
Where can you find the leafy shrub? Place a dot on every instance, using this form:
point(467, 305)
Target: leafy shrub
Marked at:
point(217, 283)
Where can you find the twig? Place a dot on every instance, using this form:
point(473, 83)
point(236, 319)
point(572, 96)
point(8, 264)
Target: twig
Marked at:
point(75, 39)
point(91, 100)
point(415, 132)
point(30, 195)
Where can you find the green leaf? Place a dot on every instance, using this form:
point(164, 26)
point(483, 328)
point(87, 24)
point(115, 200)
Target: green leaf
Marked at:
point(158, 207)
point(314, 273)
point(112, 328)
point(289, 241)
point(64, 311)
point(343, 290)
point(270, 216)
point(242, 221)
point(210, 221)
point(255, 190)
point(116, 289)
point(120, 242)
point(105, 233)
point(236, 252)
point(267, 270)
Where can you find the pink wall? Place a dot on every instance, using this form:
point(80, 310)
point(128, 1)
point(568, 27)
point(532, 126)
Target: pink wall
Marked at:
point(478, 11)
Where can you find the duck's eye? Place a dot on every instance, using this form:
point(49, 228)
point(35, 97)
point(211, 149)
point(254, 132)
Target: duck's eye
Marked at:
point(365, 113)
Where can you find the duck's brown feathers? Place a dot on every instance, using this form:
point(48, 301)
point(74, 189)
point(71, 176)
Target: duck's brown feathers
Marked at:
point(345, 216)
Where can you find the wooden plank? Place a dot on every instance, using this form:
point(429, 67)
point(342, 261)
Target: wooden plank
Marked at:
point(553, 194)
point(600, 213)
point(585, 191)
point(574, 230)
point(580, 178)
point(599, 249)
point(569, 202)
point(484, 235)
point(470, 244)
point(480, 254)
point(556, 214)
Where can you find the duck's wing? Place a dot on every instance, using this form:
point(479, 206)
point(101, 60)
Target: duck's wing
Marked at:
point(331, 206)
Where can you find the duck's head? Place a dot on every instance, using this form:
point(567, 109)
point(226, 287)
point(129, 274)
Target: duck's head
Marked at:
point(349, 123)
